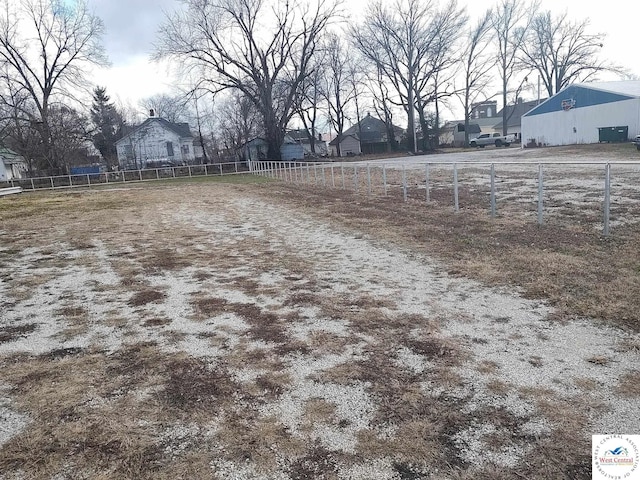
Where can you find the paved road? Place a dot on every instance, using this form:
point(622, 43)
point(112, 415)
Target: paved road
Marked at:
point(511, 155)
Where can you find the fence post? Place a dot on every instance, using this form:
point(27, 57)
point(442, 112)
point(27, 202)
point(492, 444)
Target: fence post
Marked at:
point(140, 174)
point(220, 170)
point(455, 188)
point(206, 171)
point(540, 193)
point(355, 178)
point(404, 183)
point(33, 187)
point(493, 190)
point(384, 178)
point(344, 186)
point(368, 179)
point(426, 182)
point(333, 177)
point(607, 198)
point(88, 180)
point(52, 187)
point(157, 174)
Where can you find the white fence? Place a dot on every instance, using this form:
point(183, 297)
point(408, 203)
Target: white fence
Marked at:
point(543, 189)
point(124, 176)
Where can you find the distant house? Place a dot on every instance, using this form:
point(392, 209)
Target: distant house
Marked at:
point(373, 135)
point(158, 142)
point(12, 165)
point(452, 133)
point(256, 149)
point(302, 137)
point(514, 116)
point(347, 145)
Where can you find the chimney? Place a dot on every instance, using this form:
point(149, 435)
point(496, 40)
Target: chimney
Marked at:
point(152, 113)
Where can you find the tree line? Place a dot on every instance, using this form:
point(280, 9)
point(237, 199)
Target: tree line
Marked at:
point(255, 67)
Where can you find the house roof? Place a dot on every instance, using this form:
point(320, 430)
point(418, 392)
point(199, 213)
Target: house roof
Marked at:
point(371, 129)
point(180, 129)
point(262, 141)
point(341, 138)
point(515, 113)
point(473, 127)
point(9, 156)
point(478, 122)
point(589, 94)
point(624, 87)
point(300, 135)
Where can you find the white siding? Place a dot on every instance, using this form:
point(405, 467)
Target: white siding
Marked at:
point(349, 146)
point(151, 144)
point(580, 125)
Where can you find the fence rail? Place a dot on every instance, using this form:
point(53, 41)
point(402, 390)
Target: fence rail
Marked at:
point(546, 188)
point(124, 176)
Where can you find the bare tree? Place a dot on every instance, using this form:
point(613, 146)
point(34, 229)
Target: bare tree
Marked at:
point(307, 104)
point(477, 62)
point(170, 107)
point(432, 84)
point(562, 51)
point(511, 21)
point(382, 105)
point(403, 42)
point(263, 50)
point(45, 47)
point(237, 121)
point(340, 83)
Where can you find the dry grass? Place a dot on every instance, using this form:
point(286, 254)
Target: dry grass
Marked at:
point(629, 384)
point(567, 263)
point(155, 409)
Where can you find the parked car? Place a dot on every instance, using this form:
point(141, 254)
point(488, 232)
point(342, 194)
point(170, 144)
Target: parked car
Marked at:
point(637, 141)
point(492, 139)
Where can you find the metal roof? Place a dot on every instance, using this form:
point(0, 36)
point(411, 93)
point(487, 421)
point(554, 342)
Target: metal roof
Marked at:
point(623, 87)
point(582, 95)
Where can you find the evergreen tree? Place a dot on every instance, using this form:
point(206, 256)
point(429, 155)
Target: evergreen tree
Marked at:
point(108, 124)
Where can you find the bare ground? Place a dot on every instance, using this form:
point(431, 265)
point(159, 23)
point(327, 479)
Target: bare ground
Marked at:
point(275, 331)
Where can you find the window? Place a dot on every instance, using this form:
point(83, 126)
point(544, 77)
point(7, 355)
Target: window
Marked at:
point(185, 149)
point(170, 149)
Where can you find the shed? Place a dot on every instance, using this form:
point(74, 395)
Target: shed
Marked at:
point(348, 145)
point(578, 113)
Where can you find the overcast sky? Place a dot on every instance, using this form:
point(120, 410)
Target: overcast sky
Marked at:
point(131, 28)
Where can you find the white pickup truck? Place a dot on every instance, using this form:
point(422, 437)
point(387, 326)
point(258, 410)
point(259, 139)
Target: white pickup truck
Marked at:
point(492, 139)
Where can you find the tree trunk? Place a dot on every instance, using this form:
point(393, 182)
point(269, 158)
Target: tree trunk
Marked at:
point(504, 104)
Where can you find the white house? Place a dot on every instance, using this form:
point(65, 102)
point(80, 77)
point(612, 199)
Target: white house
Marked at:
point(157, 142)
point(585, 113)
point(12, 165)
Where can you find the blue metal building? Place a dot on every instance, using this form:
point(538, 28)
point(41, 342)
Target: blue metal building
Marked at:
point(581, 113)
